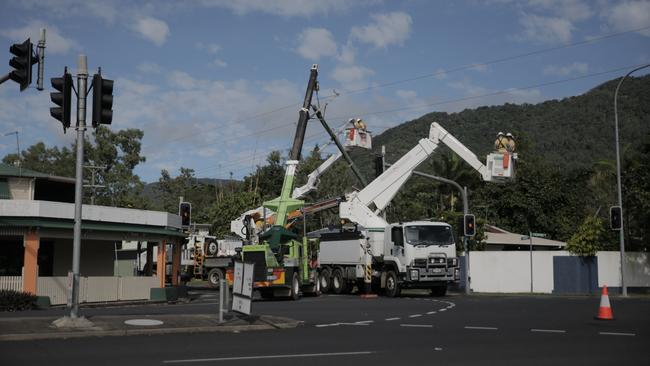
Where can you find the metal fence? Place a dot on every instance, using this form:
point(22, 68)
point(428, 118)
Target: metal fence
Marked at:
point(98, 289)
point(11, 283)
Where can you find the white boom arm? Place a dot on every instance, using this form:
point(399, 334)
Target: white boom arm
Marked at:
point(237, 225)
point(382, 190)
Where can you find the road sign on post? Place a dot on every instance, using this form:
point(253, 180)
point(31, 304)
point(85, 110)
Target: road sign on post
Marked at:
point(242, 288)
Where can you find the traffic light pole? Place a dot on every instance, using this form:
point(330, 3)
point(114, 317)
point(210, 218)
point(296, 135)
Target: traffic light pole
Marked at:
point(82, 78)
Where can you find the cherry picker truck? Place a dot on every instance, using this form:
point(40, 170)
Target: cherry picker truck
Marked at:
point(286, 265)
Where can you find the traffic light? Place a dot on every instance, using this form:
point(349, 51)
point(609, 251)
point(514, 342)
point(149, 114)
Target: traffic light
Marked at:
point(379, 165)
point(616, 217)
point(185, 211)
point(102, 101)
point(63, 99)
point(22, 63)
point(469, 225)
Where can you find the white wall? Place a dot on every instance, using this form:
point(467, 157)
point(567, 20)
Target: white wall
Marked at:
point(509, 272)
point(637, 269)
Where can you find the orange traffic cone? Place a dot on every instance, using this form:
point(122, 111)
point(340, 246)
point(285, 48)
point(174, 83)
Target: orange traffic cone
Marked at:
point(605, 309)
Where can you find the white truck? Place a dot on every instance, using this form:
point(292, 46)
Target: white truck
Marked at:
point(419, 254)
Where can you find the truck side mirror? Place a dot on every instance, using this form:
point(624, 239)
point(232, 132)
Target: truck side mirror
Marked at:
point(397, 236)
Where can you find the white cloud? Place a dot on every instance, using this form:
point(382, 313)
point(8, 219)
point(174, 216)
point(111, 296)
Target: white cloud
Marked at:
point(543, 29)
point(630, 15)
point(345, 74)
point(211, 48)
point(385, 30)
point(54, 41)
point(580, 68)
point(154, 30)
point(106, 9)
point(479, 67)
point(281, 7)
point(150, 67)
point(574, 10)
point(219, 62)
point(406, 94)
point(348, 53)
point(315, 43)
point(440, 74)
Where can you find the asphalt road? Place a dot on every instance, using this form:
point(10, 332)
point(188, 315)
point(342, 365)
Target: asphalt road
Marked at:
point(342, 330)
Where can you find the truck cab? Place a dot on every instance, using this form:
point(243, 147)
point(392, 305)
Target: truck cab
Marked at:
point(425, 254)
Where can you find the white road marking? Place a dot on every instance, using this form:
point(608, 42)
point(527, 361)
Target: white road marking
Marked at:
point(617, 334)
point(417, 325)
point(438, 349)
point(327, 325)
point(481, 328)
point(548, 330)
point(270, 357)
point(431, 312)
point(443, 309)
point(364, 322)
point(415, 316)
point(391, 319)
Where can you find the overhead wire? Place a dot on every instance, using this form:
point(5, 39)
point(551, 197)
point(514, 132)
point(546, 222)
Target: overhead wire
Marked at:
point(415, 78)
point(455, 100)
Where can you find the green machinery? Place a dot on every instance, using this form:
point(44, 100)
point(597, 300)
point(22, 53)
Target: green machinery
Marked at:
point(285, 264)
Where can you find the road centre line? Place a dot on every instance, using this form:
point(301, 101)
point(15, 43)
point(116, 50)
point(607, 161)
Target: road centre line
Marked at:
point(270, 357)
point(480, 328)
point(617, 334)
point(548, 330)
point(431, 312)
point(415, 316)
point(391, 319)
point(417, 325)
point(443, 309)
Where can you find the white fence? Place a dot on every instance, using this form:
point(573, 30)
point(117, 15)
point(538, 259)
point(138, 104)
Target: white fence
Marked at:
point(11, 283)
point(98, 289)
point(510, 272)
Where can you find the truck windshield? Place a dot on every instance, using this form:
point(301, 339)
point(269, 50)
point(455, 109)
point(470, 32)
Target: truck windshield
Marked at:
point(429, 235)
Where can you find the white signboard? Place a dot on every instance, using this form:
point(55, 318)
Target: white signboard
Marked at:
point(238, 280)
point(242, 293)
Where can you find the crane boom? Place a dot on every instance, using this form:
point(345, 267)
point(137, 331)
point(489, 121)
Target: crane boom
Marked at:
point(383, 189)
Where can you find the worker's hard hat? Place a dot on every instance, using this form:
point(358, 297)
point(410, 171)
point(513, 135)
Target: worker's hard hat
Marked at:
point(509, 135)
point(500, 134)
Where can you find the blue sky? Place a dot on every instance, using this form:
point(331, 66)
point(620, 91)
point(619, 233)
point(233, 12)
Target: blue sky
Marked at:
point(216, 85)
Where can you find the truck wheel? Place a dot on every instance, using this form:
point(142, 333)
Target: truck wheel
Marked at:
point(392, 286)
point(325, 280)
point(439, 291)
point(295, 287)
point(339, 284)
point(214, 277)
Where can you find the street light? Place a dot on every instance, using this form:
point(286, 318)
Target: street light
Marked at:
point(618, 178)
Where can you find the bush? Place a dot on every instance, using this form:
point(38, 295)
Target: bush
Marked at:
point(11, 300)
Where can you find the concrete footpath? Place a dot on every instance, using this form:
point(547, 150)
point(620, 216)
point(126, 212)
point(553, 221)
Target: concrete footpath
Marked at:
point(49, 327)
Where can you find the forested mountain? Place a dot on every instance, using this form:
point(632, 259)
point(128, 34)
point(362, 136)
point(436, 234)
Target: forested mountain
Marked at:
point(572, 132)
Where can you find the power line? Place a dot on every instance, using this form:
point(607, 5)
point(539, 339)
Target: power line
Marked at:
point(492, 62)
point(415, 78)
point(449, 101)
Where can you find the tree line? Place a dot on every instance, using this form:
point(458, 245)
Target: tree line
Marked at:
point(566, 176)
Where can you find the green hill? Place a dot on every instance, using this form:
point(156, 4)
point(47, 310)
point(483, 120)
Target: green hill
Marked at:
point(572, 132)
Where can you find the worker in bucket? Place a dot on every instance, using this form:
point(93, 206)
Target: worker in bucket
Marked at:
point(500, 144)
point(510, 143)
